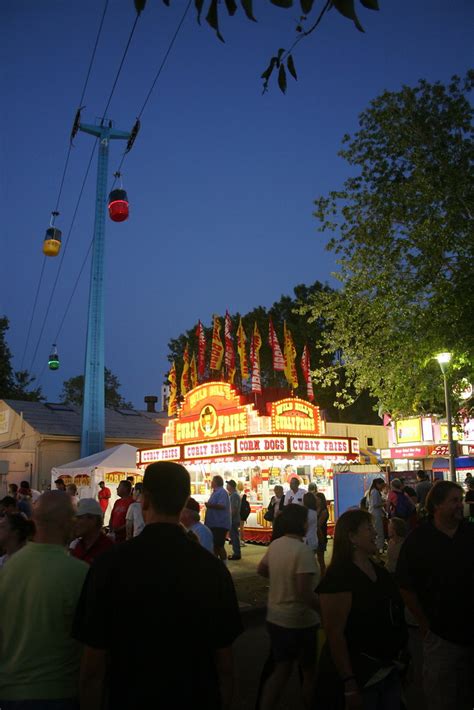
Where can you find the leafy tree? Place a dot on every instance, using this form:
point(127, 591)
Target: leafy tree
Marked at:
point(403, 233)
point(73, 391)
point(307, 22)
point(287, 308)
point(14, 385)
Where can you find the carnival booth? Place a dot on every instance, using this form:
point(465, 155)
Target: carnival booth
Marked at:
point(463, 465)
point(217, 431)
point(111, 466)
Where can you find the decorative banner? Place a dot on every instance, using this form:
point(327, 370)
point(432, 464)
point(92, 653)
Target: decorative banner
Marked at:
point(278, 361)
point(209, 449)
point(306, 367)
point(255, 360)
point(201, 349)
point(169, 453)
point(185, 374)
point(194, 373)
point(229, 349)
point(293, 415)
point(290, 359)
point(320, 446)
point(172, 402)
point(241, 341)
point(262, 445)
point(217, 349)
point(82, 479)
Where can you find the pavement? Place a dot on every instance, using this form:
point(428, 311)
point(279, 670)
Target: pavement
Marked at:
point(252, 647)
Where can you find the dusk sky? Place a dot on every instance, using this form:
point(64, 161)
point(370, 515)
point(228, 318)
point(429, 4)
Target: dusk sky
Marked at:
point(221, 179)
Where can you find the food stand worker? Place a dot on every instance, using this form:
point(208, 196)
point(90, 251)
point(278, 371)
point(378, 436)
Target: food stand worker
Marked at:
point(296, 494)
point(103, 495)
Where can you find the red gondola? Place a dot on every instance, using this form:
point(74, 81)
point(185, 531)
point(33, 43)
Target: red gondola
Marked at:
point(118, 205)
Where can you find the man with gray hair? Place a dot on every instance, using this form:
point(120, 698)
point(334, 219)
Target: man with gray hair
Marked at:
point(39, 589)
point(191, 519)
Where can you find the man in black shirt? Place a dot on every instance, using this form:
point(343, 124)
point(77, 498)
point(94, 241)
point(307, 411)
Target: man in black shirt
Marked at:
point(187, 600)
point(436, 571)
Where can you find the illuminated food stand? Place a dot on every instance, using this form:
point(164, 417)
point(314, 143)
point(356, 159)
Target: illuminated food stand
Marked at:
point(217, 431)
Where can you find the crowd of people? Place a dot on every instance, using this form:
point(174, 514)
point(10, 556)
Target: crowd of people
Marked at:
point(355, 631)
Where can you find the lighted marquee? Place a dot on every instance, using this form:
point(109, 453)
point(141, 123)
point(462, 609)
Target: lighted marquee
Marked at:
point(209, 449)
point(320, 446)
point(209, 411)
point(296, 416)
point(168, 453)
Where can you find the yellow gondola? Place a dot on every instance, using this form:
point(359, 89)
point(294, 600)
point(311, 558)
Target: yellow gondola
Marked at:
point(52, 242)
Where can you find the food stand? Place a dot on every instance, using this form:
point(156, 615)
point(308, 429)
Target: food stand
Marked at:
point(217, 431)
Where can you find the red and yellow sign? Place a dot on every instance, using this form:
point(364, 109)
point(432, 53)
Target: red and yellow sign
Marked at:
point(209, 411)
point(293, 416)
point(262, 445)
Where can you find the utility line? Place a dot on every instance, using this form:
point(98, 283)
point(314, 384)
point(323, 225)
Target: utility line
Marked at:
point(157, 76)
point(68, 155)
point(87, 171)
point(62, 256)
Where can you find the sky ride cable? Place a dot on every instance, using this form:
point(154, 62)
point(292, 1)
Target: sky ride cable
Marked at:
point(153, 84)
point(68, 155)
point(132, 31)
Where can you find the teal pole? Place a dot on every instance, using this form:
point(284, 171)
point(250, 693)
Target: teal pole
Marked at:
point(93, 408)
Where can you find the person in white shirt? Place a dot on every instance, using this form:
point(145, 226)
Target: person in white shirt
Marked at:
point(311, 537)
point(134, 521)
point(295, 494)
point(190, 518)
point(292, 610)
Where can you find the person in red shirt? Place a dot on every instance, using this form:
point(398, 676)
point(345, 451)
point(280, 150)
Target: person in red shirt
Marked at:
point(91, 541)
point(119, 511)
point(103, 495)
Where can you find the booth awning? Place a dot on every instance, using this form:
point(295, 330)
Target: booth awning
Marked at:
point(462, 462)
point(370, 455)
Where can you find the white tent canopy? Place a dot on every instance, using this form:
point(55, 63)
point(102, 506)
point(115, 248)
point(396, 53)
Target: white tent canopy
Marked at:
point(110, 466)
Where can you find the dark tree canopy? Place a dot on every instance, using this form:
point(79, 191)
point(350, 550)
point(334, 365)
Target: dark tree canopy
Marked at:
point(306, 17)
point(403, 233)
point(304, 333)
point(14, 385)
point(73, 391)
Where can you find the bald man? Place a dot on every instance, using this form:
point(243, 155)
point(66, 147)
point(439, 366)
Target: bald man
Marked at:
point(39, 588)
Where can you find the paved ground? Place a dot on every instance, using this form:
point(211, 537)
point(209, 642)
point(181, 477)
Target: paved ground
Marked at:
point(252, 647)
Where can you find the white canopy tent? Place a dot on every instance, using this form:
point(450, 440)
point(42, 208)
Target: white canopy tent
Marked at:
point(111, 466)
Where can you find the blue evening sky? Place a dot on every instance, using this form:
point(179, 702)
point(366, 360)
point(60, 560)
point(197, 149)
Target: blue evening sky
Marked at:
point(221, 180)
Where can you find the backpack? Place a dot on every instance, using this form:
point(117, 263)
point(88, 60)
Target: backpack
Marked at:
point(244, 508)
point(404, 507)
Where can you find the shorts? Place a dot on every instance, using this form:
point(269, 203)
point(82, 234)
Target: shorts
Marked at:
point(294, 644)
point(219, 535)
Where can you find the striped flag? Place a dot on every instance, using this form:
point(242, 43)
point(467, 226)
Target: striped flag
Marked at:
point(278, 361)
point(241, 341)
point(201, 349)
point(172, 402)
point(217, 349)
point(306, 367)
point(229, 349)
point(290, 359)
point(185, 374)
point(194, 372)
point(255, 360)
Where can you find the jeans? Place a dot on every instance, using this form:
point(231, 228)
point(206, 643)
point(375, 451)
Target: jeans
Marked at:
point(447, 674)
point(235, 538)
point(384, 695)
point(39, 704)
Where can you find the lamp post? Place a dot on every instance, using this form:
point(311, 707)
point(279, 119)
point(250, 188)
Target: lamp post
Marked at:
point(444, 359)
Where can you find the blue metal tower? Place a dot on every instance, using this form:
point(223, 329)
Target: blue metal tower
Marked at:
point(93, 408)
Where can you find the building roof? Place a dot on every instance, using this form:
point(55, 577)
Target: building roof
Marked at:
point(65, 420)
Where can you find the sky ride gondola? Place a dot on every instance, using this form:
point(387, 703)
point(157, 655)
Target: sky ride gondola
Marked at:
point(52, 239)
point(53, 360)
point(118, 204)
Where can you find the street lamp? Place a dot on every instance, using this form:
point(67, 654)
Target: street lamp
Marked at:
point(444, 359)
